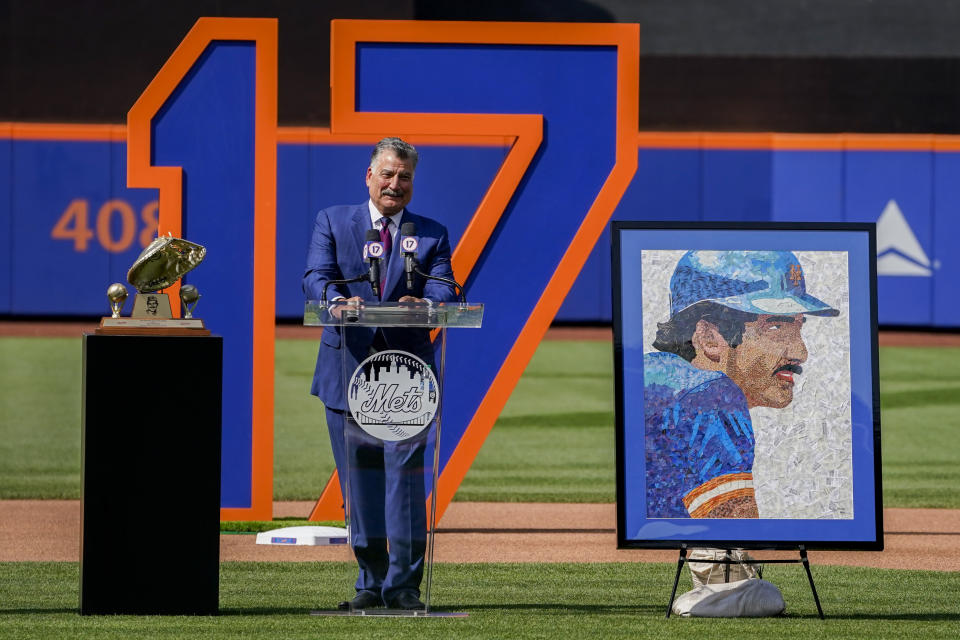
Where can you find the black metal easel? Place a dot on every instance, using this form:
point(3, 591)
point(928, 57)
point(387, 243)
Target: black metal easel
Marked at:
point(728, 560)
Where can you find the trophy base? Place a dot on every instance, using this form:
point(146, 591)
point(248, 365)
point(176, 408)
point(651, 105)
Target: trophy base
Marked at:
point(152, 327)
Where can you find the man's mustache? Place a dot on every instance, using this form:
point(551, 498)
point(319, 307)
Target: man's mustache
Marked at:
point(795, 368)
point(396, 193)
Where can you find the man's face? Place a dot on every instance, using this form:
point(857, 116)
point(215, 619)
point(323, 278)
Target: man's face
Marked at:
point(390, 181)
point(764, 364)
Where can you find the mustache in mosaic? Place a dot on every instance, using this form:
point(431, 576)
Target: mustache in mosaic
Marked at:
point(795, 368)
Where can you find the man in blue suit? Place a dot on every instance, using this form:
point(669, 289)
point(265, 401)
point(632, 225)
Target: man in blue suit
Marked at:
point(385, 479)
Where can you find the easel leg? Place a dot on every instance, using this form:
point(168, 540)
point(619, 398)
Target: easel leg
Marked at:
point(806, 565)
point(676, 578)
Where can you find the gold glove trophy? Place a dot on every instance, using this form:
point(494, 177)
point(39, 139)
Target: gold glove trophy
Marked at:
point(160, 265)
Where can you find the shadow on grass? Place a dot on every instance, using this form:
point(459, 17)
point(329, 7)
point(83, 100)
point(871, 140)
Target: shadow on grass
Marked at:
point(36, 611)
point(538, 607)
point(272, 611)
point(561, 606)
point(911, 617)
point(224, 611)
point(660, 610)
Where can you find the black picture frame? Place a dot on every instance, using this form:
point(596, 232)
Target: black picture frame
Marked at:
point(641, 521)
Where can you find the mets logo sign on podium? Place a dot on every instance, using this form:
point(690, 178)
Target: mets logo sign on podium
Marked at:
point(393, 395)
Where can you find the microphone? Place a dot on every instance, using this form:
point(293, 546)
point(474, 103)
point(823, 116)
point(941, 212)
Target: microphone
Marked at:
point(373, 253)
point(408, 245)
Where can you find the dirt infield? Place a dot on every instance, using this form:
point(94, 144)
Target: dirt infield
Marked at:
point(49, 530)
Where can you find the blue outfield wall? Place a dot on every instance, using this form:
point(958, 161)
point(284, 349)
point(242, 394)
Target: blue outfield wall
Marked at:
point(71, 227)
point(809, 186)
point(6, 225)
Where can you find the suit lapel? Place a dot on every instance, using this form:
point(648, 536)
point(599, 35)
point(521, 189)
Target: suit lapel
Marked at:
point(360, 223)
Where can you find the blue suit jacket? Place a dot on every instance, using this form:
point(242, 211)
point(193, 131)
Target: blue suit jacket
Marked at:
point(336, 253)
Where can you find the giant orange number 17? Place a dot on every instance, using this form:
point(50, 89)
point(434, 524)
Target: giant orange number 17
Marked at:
point(567, 95)
point(204, 133)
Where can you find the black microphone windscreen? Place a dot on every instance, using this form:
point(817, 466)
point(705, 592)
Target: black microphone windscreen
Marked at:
point(373, 235)
point(408, 229)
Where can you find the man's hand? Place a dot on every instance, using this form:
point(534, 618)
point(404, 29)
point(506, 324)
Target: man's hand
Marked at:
point(412, 299)
point(337, 306)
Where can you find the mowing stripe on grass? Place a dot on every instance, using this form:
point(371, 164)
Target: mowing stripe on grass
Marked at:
point(273, 600)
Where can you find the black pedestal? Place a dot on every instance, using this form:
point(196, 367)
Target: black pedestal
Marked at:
point(150, 532)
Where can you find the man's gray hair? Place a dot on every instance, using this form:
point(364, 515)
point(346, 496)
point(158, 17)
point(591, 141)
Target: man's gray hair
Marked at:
point(403, 151)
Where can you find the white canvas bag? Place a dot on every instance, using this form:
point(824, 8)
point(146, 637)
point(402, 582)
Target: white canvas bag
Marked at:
point(751, 598)
point(745, 596)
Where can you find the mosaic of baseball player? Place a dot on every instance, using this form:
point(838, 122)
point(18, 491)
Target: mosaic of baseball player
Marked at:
point(733, 342)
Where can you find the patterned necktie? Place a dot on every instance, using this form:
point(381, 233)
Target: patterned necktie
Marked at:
point(387, 245)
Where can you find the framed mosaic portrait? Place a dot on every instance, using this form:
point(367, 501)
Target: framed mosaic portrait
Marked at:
point(747, 398)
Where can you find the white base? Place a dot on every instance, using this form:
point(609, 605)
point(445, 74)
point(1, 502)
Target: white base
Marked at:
point(310, 536)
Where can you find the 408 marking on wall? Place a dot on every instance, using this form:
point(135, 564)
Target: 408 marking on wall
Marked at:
point(115, 227)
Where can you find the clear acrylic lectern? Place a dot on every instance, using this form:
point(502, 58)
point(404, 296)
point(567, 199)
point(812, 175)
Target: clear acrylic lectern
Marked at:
point(392, 371)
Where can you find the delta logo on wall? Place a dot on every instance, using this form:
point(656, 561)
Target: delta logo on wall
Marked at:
point(899, 253)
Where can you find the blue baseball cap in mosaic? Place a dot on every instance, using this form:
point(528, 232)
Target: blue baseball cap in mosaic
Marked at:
point(762, 282)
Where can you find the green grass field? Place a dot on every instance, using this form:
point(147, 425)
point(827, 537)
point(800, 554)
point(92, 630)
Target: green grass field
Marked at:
point(566, 417)
point(273, 600)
